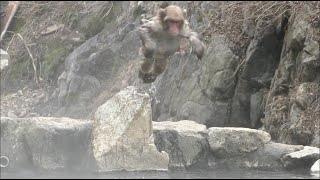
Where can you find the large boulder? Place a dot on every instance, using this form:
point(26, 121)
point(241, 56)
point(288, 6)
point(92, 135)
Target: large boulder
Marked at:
point(197, 90)
point(246, 149)
point(185, 141)
point(229, 142)
point(301, 159)
point(46, 143)
point(123, 136)
point(266, 157)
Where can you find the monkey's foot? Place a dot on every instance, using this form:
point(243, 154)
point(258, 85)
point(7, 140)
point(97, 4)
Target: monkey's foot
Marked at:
point(147, 78)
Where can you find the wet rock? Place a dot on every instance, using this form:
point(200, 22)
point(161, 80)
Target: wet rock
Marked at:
point(123, 137)
point(185, 142)
point(266, 158)
point(301, 159)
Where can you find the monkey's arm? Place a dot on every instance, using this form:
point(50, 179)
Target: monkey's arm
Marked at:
point(197, 46)
point(146, 30)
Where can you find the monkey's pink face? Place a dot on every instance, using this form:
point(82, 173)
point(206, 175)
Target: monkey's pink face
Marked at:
point(174, 27)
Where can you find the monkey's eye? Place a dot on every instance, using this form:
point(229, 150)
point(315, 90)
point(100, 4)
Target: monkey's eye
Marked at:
point(174, 22)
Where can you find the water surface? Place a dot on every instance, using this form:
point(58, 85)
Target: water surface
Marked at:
point(221, 174)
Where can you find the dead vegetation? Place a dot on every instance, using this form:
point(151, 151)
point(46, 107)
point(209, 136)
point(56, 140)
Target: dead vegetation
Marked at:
point(235, 18)
point(27, 40)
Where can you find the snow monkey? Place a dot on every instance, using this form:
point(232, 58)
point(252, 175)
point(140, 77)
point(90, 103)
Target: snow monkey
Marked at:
point(161, 36)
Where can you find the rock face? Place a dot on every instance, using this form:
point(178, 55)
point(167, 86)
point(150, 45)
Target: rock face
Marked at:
point(189, 89)
point(46, 143)
point(303, 158)
point(228, 142)
point(185, 141)
point(97, 65)
point(122, 135)
point(294, 87)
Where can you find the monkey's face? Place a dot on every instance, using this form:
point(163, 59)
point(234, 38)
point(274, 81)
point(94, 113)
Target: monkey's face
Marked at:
point(172, 19)
point(173, 27)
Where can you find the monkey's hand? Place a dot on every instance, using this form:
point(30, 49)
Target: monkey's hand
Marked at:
point(149, 45)
point(197, 46)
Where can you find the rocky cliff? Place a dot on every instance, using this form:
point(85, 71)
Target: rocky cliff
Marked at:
point(270, 81)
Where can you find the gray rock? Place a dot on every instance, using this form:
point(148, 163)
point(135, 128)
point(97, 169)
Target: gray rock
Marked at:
point(266, 158)
point(259, 66)
point(301, 159)
point(197, 90)
point(217, 70)
point(316, 140)
point(231, 142)
point(47, 143)
point(13, 144)
point(256, 107)
point(299, 62)
point(310, 60)
point(123, 137)
point(310, 55)
point(58, 143)
point(315, 168)
point(185, 142)
point(297, 32)
point(11, 113)
point(4, 59)
point(304, 97)
point(93, 65)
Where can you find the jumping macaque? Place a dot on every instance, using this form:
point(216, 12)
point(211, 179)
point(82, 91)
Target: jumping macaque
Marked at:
point(161, 36)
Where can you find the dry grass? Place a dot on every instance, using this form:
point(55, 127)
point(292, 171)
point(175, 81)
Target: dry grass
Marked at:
point(38, 15)
point(278, 122)
point(310, 117)
point(34, 17)
point(229, 21)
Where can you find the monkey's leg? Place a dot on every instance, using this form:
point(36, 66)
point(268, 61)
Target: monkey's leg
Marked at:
point(145, 63)
point(159, 66)
point(145, 69)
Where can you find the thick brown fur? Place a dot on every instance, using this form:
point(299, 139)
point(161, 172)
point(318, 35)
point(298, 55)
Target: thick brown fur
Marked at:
point(158, 43)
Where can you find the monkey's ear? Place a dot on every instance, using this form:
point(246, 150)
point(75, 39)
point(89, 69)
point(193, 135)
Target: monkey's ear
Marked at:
point(162, 13)
point(184, 13)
